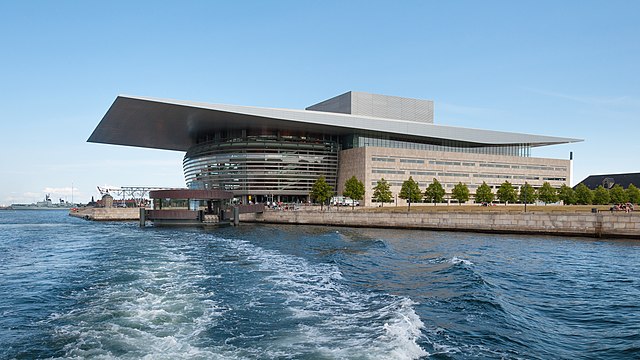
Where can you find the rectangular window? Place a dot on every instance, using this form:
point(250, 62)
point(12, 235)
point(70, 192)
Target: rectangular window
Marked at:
point(387, 171)
point(412, 161)
point(383, 159)
point(427, 173)
point(495, 165)
point(492, 176)
point(453, 174)
point(439, 162)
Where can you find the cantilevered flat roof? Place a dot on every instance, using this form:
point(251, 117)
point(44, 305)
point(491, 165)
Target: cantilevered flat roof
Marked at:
point(175, 125)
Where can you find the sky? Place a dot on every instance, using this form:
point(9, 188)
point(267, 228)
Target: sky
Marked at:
point(558, 68)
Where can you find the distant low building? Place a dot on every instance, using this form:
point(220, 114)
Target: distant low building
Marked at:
point(609, 180)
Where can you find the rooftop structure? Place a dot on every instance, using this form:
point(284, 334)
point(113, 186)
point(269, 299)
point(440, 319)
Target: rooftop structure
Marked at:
point(267, 153)
point(374, 105)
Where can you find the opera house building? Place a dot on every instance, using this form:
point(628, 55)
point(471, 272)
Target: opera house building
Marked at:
point(269, 154)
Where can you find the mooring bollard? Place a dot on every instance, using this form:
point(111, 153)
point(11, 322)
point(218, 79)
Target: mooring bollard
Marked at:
point(142, 216)
point(236, 216)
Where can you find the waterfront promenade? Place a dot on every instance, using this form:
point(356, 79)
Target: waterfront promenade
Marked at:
point(550, 220)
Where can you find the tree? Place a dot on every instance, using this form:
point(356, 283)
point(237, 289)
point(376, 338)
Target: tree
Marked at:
point(506, 193)
point(618, 195)
point(547, 194)
point(382, 192)
point(567, 195)
point(410, 191)
point(434, 192)
point(633, 194)
point(601, 196)
point(321, 191)
point(354, 189)
point(484, 194)
point(584, 195)
point(527, 194)
point(461, 193)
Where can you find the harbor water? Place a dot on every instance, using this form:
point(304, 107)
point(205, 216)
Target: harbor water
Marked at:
point(76, 289)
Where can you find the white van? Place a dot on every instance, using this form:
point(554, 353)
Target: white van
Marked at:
point(351, 202)
point(343, 201)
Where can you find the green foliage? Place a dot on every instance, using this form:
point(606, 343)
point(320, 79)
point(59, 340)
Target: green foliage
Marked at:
point(484, 194)
point(567, 195)
point(506, 193)
point(434, 192)
point(410, 191)
point(527, 194)
point(618, 195)
point(547, 194)
point(601, 196)
point(633, 194)
point(354, 189)
point(382, 192)
point(321, 191)
point(461, 193)
point(584, 195)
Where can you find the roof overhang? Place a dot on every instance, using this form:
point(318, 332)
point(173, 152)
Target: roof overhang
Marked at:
point(175, 125)
point(193, 194)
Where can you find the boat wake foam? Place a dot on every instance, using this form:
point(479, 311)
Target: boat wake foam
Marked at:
point(333, 319)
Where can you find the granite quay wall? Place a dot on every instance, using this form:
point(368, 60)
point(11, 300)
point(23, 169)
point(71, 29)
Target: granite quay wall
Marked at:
point(575, 224)
point(107, 214)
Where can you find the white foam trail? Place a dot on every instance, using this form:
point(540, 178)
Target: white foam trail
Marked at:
point(157, 307)
point(338, 321)
point(155, 311)
point(403, 330)
point(455, 260)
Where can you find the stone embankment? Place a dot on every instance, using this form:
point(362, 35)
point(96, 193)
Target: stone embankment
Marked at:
point(107, 214)
point(602, 224)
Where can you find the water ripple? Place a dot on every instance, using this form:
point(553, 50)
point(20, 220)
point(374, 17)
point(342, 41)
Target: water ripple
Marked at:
point(74, 289)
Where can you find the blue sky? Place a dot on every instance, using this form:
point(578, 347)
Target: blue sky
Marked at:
point(555, 68)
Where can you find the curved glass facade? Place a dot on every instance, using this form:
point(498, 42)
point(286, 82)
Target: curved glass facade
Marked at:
point(261, 165)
